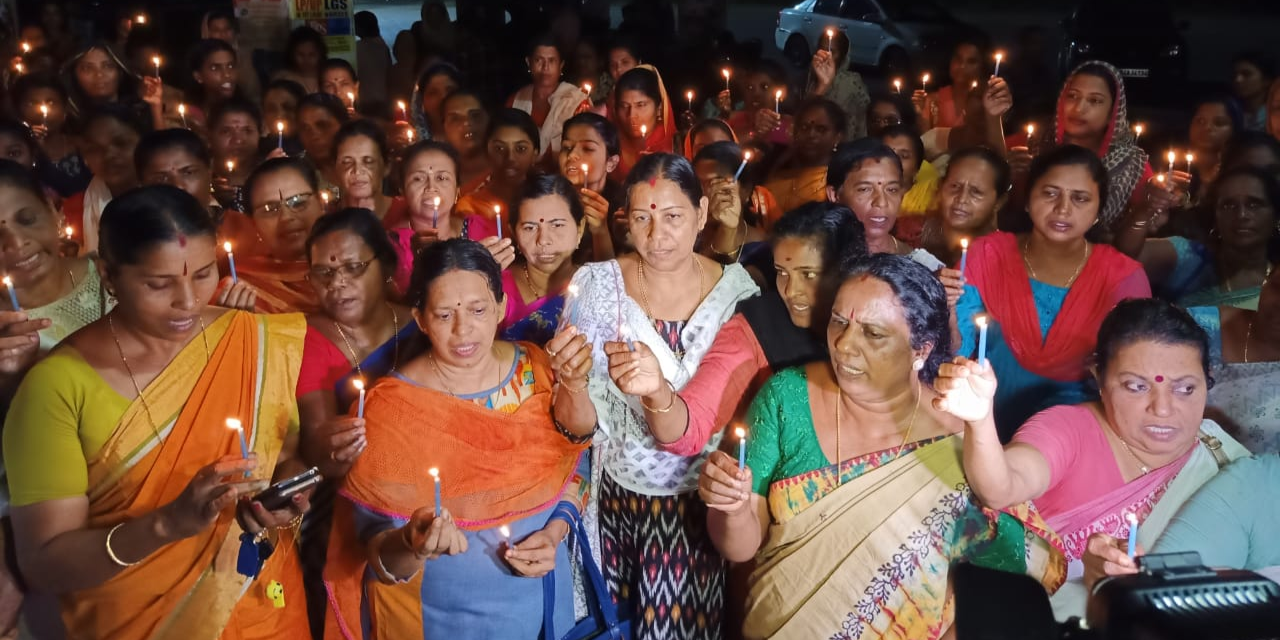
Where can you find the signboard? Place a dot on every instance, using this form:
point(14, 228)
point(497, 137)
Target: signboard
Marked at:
point(334, 19)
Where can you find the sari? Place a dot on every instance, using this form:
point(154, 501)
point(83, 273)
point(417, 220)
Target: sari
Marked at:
point(496, 468)
point(660, 140)
point(534, 321)
point(189, 589)
point(566, 101)
point(793, 187)
point(282, 286)
point(863, 549)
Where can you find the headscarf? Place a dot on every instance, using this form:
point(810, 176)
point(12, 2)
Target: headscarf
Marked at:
point(1124, 159)
point(688, 140)
point(662, 140)
point(417, 116)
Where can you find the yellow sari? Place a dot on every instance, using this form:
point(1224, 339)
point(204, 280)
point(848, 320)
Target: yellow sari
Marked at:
point(190, 590)
point(282, 286)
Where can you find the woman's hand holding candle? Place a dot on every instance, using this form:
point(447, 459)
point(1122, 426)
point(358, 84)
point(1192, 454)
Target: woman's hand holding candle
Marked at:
point(724, 486)
point(19, 341)
point(570, 355)
point(502, 250)
point(336, 443)
point(428, 536)
point(236, 294)
point(953, 282)
point(596, 209)
point(535, 556)
point(637, 373)
point(766, 122)
point(823, 66)
point(1106, 555)
point(967, 390)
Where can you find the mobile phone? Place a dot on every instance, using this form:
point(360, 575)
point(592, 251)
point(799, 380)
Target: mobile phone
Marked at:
point(280, 494)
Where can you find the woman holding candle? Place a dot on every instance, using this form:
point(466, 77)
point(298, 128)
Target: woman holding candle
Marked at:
point(95, 77)
point(831, 78)
point(549, 222)
point(284, 202)
point(642, 113)
point(233, 136)
point(42, 102)
point(975, 186)
point(280, 100)
point(512, 143)
point(338, 79)
point(1047, 289)
point(1141, 449)
point(108, 136)
point(126, 485)
point(849, 467)
point(1243, 245)
point(946, 106)
point(589, 152)
point(1215, 119)
point(303, 52)
point(213, 66)
point(800, 175)
point(756, 120)
point(739, 213)
point(666, 302)
point(548, 100)
point(453, 575)
point(465, 121)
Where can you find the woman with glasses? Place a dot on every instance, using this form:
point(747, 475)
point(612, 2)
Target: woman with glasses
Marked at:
point(283, 202)
point(1244, 244)
point(887, 110)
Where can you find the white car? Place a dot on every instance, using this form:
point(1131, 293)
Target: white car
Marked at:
point(891, 34)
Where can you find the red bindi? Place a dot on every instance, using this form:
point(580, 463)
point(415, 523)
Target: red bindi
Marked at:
point(182, 240)
point(653, 206)
point(1159, 378)
point(653, 181)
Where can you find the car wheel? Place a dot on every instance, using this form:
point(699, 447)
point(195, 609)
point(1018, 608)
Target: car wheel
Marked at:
point(895, 62)
point(797, 51)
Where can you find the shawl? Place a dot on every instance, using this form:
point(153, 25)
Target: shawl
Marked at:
point(1124, 159)
point(566, 101)
point(660, 140)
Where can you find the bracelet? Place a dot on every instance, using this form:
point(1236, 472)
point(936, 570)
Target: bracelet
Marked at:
point(570, 389)
point(574, 438)
point(733, 255)
point(297, 520)
point(669, 404)
point(112, 554)
point(379, 569)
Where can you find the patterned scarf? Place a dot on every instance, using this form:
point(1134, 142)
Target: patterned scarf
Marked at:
point(1124, 159)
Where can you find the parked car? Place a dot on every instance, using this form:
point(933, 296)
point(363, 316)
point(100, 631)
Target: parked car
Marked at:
point(894, 35)
point(1139, 37)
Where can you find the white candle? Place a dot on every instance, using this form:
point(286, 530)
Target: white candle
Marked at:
point(182, 113)
point(156, 61)
point(777, 101)
point(831, 35)
point(999, 57)
point(1172, 157)
point(1137, 131)
point(13, 295)
point(231, 260)
point(44, 111)
point(351, 101)
point(1031, 131)
point(231, 166)
point(924, 82)
point(745, 158)
point(586, 88)
point(435, 474)
point(71, 232)
point(964, 255)
point(644, 133)
point(725, 73)
point(742, 447)
point(324, 195)
point(141, 18)
point(689, 96)
point(404, 110)
point(358, 383)
point(897, 85)
point(26, 48)
point(1190, 158)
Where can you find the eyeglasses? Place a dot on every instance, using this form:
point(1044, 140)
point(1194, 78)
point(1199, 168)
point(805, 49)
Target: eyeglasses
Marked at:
point(349, 271)
point(295, 204)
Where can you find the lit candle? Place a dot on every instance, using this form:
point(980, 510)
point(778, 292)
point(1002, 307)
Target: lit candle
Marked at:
point(897, 85)
point(1133, 534)
point(924, 82)
point(233, 423)
point(624, 334)
point(644, 133)
point(689, 96)
point(409, 134)
point(1137, 131)
point(981, 321)
point(831, 36)
point(497, 217)
point(745, 158)
point(13, 295)
point(141, 18)
point(572, 304)
point(1172, 157)
point(999, 57)
point(974, 85)
point(231, 260)
point(1160, 179)
point(18, 66)
point(231, 166)
point(964, 254)
point(156, 61)
point(742, 447)
point(435, 474)
point(280, 134)
point(586, 88)
point(44, 111)
point(725, 73)
point(71, 232)
point(1031, 131)
point(358, 383)
point(777, 101)
point(505, 532)
point(351, 101)
point(182, 113)
point(435, 212)
point(1190, 158)
point(404, 110)
point(26, 48)
point(324, 195)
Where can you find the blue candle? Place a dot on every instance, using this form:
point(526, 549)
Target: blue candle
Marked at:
point(497, 217)
point(231, 259)
point(435, 215)
point(1133, 534)
point(964, 255)
point(358, 383)
point(982, 340)
point(742, 447)
point(233, 423)
point(738, 174)
point(572, 302)
point(13, 295)
point(435, 474)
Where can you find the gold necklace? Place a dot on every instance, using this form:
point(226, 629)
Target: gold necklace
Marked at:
point(529, 281)
point(1030, 269)
point(1141, 467)
point(644, 290)
point(1265, 276)
point(907, 436)
point(440, 374)
point(395, 342)
point(111, 326)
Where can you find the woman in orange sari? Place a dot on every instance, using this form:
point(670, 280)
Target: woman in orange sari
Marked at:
point(130, 494)
point(642, 113)
point(284, 201)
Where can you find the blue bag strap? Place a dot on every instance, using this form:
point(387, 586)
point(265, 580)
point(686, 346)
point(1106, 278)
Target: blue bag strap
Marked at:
point(599, 600)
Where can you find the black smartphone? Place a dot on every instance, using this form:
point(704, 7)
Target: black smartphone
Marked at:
point(280, 494)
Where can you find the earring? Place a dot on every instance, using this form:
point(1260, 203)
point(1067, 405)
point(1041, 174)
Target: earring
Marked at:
point(918, 365)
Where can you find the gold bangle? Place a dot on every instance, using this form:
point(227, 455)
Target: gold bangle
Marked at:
point(665, 409)
point(112, 554)
point(570, 389)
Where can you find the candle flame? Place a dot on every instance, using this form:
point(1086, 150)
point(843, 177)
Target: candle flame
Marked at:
point(26, 48)
point(351, 97)
point(231, 165)
point(586, 88)
point(279, 126)
point(584, 169)
point(70, 231)
point(689, 95)
point(437, 201)
point(182, 109)
point(777, 95)
point(400, 103)
point(746, 156)
point(1137, 130)
point(740, 432)
point(1172, 156)
point(644, 130)
point(830, 34)
point(497, 209)
point(999, 56)
point(504, 531)
point(155, 60)
point(324, 195)
point(1031, 130)
point(974, 85)
point(8, 282)
point(964, 243)
point(926, 78)
point(358, 384)
point(1160, 178)
point(44, 110)
point(725, 73)
point(233, 423)
point(409, 133)
point(573, 289)
point(1131, 518)
point(434, 473)
point(141, 18)
point(981, 321)
point(18, 66)
point(226, 246)
point(897, 83)
point(1190, 158)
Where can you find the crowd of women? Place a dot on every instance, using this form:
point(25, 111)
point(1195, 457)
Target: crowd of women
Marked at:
point(606, 360)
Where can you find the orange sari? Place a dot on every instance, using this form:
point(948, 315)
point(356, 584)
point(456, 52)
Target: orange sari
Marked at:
point(189, 590)
point(282, 286)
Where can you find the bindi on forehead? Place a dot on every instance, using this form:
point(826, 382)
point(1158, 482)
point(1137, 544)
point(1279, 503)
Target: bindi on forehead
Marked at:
point(182, 240)
point(653, 205)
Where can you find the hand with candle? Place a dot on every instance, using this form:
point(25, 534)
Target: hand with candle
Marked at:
point(921, 101)
point(766, 121)
point(1106, 555)
point(966, 391)
point(335, 444)
point(725, 487)
point(998, 99)
point(212, 490)
point(425, 537)
point(596, 209)
point(19, 341)
point(570, 354)
point(823, 67)
point(535, 556)
point(502, 250)
point(724, 102)
point(236, 294)
point(953, 282)
point(637, 373)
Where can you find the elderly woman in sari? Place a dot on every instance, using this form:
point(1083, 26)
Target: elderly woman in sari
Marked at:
point(1138, 452)
point(283, 201)
point(130, 493)
point(1045, 291)
point(548, 100)
point(362, 163)
point(667, 303)
point(476, 414)
point(549, 223)
point(1243, 245)
point(857, 438)
point(975, 186)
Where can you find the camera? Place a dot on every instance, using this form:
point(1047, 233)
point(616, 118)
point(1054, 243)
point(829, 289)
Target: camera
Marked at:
point(1172, 597)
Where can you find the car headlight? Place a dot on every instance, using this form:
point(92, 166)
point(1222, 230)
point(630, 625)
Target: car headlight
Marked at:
point(1172, 51)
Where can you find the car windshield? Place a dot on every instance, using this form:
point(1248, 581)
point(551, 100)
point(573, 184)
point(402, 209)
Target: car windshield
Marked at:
point(909, 10)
